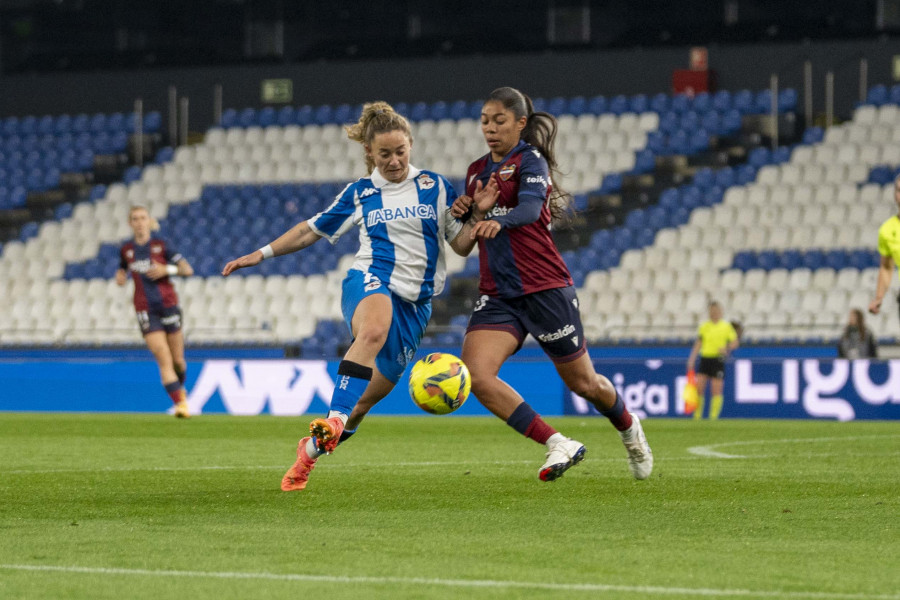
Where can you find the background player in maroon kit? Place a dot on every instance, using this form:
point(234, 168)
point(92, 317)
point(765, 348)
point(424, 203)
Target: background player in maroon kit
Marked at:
point(526, 287)
point(152, 262)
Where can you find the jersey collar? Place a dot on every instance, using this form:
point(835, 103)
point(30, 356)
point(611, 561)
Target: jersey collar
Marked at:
point(379, 181)
point(508, 154)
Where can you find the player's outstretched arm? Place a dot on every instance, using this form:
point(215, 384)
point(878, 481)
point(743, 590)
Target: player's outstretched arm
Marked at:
point(296, 238)
point(885, 273)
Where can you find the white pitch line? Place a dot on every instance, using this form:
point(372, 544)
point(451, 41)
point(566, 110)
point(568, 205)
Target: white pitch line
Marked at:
point(456, 583)
point(708, 452)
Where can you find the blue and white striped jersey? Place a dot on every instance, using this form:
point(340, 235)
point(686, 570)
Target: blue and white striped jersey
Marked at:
point(401, 226)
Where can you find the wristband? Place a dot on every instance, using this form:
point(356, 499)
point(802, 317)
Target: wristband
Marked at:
point(172, 269)
point(267, 251)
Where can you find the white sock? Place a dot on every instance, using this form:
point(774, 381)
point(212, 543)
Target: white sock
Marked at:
point(555, 439)
point(311, 449)
point(339, 415)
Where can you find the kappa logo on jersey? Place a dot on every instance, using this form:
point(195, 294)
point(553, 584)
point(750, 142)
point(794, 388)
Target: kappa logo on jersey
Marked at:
point(559, 334)
point(368, 192)
point(506, 171)
point(425, 182)
point(417, 211)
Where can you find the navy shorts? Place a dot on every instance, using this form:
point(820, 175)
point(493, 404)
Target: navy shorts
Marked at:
point(551, 316)
point(160, 319)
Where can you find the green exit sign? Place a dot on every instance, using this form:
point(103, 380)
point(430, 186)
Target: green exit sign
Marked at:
point(277, 91)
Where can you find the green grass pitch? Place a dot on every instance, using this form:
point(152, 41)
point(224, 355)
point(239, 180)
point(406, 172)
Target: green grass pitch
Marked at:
point(144, 506)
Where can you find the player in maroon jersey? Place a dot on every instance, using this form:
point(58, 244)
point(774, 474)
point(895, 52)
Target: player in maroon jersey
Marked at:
point(525, 285)
point(151, 262)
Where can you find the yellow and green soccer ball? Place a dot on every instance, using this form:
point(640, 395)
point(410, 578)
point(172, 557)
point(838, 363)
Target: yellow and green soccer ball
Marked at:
point(439, 383)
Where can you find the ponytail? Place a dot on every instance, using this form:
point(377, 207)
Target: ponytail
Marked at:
point(540, 132)
point(377, 117)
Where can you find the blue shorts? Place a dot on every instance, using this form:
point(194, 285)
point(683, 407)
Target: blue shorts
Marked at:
point(407, 326)
point(551, 316)
point(160, 319)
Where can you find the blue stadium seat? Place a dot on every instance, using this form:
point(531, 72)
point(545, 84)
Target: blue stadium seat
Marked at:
point(601, 239)
point(28, 126)
point(597, 105)
point(657, 218)
point(814, 259)
point(837, 259)
point(691, 197)
point(557, 106)
point(636, 219)
point(30, 229)
point(164, 155)
point(286, 116)
point(712, 122)
point(639, 103)
point(669, 122)
point(678, 143)
point(247, 117)
point(744, 260)
point(704, 178)
point(622, 239)
point(539, 104)
point(644, 161)
point(402, 108)
point(731, 123)
point(781, 155)
point(894, 96)
point(118, 122)
point(98, 123)
point(877, 95)
point(619, 104)
point(81, 123)
point(745, 174)
point(760, 157)
point(863, 259)
point(645, 237)
point(131, 174)
point(266, 117)
point(680, 103)
point(577, 106)
point(458, 110)
point(438, 110)
point(343, 114)
point(305, 115)
point(813, 135)
point(152, 122)
point(762, 103)
point(699, 140)
point(787, 100)
point(323, 115)
point(670, 198)
point(722, 101)
point(790, 259)
point(42, 126)
point(474, 110)
point(713, 196)
point(612, 182)
point(881, 175)
point(229, 118)
point(580, 202)
point(85, 160)
point(767, 259)
point(702, 103)
point(97, 192)
point(10, 126)
point(660, 103)
point(418, 112)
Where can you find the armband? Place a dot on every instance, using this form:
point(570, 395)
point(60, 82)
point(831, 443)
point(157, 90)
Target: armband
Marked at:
point(172, 269)
point(267, 251)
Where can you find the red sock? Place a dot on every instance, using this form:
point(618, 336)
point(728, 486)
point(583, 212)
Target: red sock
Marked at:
point(539, 431)
point(175, 391)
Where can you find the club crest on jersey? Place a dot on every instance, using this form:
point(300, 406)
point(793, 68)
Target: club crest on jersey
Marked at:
point(425, 181)
point(129, 253)
point(506, 171)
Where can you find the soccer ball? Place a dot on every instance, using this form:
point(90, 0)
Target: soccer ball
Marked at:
point(439, 383)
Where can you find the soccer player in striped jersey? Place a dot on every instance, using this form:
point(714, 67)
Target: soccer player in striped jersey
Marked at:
point(526, 287)
point(403, 215)
point(889, 249)
point(152, 263)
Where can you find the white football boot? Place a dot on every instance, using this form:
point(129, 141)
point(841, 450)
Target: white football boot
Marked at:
point(640, 457)
point(561, 456)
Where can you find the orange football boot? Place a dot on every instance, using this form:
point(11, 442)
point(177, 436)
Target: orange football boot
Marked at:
point(327, 433)
point(297, 476)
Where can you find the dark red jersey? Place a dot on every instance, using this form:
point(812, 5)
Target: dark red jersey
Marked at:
point(523, 258)
point(136, 259)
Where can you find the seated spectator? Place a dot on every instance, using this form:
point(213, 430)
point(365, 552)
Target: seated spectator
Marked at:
point(857, 341)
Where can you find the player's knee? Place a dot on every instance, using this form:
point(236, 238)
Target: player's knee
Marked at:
point(373, 335)
point(592, 386)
